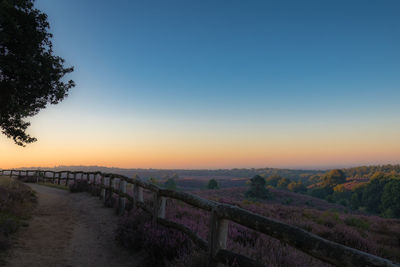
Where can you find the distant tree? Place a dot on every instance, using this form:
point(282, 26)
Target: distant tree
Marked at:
point(170, 184)
point(321, 192)
point(297, 187)
point(30, 75)
point(334, 177)
point(257, 188)
point(212, 184)
point(153, 180)
point(390, 201)
point(372, 194)
point(273, 180)
point(283, 183)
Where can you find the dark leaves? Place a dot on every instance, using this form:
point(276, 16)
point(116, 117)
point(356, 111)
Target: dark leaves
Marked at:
point(31, 76)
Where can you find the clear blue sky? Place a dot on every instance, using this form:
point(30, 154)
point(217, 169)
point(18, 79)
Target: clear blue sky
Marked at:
point(269, 72)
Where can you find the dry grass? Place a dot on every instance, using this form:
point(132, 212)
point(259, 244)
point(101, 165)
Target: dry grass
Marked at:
point(16, 204)
point(57, 186)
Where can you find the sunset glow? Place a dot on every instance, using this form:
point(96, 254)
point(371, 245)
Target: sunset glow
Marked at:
point(221, 85)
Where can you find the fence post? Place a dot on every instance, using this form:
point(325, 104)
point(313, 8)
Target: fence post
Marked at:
point(105, 191)
point(217, 236)
point(161, 212)
point(11, 173)
point(54, 177)
point(140, 194)
point(59, 178)
point(155, 207)
point(122, 199)
point(102, 189)
point(135, 193)
point(67, 181)
point(110, 192)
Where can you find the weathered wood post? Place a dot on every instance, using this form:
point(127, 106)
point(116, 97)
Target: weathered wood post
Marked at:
point(122, 199)
point(135, 193)
point(155, 207)
point(54, 177)
point(102, 189)
point(11, 173)
point(217, 237)
point(161, 212)
point(140, 194)
point(67, 180)
point(106, 183)
point(108, 201)
point(59, 178)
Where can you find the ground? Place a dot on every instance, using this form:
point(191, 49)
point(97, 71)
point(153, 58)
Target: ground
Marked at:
point(70, 230)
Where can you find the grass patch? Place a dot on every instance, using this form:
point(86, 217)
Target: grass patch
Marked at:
point(17, 201)
point(58, 186)
point(356, 222)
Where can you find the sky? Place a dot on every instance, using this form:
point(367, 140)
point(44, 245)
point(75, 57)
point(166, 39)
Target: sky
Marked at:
point(221, 84)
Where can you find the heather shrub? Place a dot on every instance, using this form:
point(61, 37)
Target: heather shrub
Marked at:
point(9, 224)
point(4, 243)
point(356, 222)
point(79, 186)
point(136, 231)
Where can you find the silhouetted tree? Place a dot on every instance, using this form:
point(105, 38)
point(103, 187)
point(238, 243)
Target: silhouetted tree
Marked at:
point(30, 75)
point(257, 188)
point(212, 184)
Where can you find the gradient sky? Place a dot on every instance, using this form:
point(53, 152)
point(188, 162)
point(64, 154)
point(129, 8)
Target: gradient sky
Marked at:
point(221, 84)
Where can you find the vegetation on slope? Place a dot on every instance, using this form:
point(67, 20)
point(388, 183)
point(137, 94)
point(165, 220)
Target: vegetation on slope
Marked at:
point(16, 203)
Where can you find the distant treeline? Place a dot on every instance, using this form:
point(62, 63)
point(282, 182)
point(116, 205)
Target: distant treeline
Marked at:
point(163, 173)
point(377, 193)
point(368, 171)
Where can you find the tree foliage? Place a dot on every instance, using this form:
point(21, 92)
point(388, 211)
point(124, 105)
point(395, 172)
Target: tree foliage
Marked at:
point(170, 184)
point(257, 188)
point(212, 184)
point(31, 76)
point(334, 177)
point(390, 201)
point(283, 183)
point(273, 180)
point(297, 187)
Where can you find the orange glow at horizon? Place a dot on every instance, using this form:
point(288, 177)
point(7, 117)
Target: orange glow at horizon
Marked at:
point(200, 153)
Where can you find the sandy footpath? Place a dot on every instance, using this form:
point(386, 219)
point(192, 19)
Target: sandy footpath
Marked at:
point(70, 230)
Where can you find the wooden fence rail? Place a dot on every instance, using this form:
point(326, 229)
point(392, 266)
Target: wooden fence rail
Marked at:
point(107, 184)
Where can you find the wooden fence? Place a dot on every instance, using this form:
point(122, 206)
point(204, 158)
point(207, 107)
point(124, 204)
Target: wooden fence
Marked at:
point(108, 184)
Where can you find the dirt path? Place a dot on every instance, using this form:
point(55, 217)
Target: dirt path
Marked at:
point(70, 230)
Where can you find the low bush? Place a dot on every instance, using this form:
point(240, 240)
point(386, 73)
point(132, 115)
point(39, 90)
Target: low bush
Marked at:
point(79, 186)
point(356, 222)
point(137, 232)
